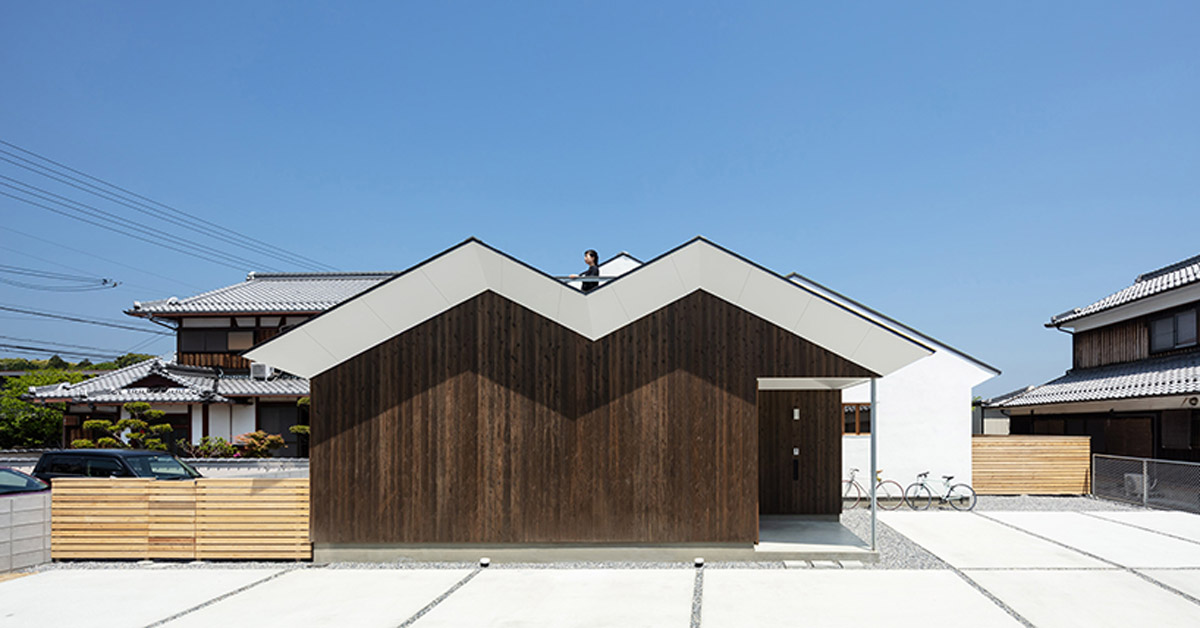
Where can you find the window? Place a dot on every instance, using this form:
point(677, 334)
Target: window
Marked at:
point(856, 418)
point(1173, 332)
point(215, 340)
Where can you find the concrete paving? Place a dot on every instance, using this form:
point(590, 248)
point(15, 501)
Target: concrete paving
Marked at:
point(1181, 524)
point(114, 598)
point(807, 538)
point(786, 598)
point(968, 541)
point(1122, 544)
point(569, 598)
point(1088, 598)
point(1184, 580)
point(362, 598)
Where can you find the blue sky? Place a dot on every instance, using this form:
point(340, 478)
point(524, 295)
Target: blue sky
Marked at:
point(966, 168)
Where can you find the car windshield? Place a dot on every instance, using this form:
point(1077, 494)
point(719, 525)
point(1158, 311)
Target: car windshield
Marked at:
point(163, 466)
point(13, 482)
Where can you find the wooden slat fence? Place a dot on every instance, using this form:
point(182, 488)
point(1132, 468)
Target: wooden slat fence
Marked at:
point(250, 519)
point(1031, 465)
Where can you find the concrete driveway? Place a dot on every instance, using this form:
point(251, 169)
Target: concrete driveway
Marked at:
point(1001, 569)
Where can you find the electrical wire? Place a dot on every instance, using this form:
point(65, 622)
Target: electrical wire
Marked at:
point(42, 350)
point(59, 344)
point(197, 250)
point(32, 286)
point(189, 221)
point(82, 320)
point(99, 257)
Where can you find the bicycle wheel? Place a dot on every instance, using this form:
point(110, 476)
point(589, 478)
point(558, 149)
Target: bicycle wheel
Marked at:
point(889, 495)
point(918, 496)
point(851, 494)
point(961, 497)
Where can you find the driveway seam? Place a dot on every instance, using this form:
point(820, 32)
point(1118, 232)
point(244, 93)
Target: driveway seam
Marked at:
point(223, 596)
point(1131, 570)
point(978, 587)
point(1126, 523)
point(439, 599)
point(697, 596)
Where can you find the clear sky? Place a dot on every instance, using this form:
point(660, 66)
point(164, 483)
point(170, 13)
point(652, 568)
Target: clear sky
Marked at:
point(967, 168)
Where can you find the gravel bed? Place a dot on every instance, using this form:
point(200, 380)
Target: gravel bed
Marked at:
point(1073, 503)
point(896, 551)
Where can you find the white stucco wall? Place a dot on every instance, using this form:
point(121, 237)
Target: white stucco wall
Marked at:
point(244, 419)
point(922, 422)
point(219, 421)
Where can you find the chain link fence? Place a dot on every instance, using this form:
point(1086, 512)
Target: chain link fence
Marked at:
point(1155, 483)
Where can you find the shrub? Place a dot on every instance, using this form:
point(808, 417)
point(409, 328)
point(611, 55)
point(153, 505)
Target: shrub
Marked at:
point(82, 443)
point(258, 444)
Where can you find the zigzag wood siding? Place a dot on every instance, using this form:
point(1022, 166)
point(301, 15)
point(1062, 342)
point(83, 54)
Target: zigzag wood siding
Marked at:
point(1031, 465)
point(492, 424)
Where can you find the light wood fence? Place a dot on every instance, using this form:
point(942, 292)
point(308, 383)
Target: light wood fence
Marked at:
point(249, 519)
point(1031, 465)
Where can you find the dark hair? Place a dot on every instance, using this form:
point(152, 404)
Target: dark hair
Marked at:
point(594, 254)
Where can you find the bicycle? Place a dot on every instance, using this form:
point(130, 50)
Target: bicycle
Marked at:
point(918, 495)
point(888, 494)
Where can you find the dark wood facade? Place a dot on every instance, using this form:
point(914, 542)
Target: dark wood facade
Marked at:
point(799, 459)
point(492, 424)
point(1125, 341)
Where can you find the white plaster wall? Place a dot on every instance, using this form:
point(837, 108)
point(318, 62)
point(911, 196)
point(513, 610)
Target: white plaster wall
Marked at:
point(922, 422)
point(244, 419)
point(220, 421)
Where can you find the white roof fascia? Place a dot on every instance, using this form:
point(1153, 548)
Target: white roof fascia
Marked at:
point(810, 383)
point(891, 323)
point(1133, 309)
point(1128, 404)
point(467, 270)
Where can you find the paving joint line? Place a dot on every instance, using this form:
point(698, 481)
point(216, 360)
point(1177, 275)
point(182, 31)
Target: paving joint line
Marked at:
point(223, 596)
point(441, 598)
point(1137, 527)
point(1131, 570)
point(975, 585)
point(697, 596)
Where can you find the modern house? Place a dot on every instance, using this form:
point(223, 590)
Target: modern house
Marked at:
point(473, 399)
point(1134, 383)
point(208, 388)
point(927, 406)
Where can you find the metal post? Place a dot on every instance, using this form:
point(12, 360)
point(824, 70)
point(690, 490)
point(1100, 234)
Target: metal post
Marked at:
point(1145, 484)
point(871, 470)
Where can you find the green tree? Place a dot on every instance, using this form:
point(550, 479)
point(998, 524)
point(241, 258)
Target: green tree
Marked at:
point(82, 364)
point(144, 429)
point(57, 363)
point(29, 425)
point(132, 358)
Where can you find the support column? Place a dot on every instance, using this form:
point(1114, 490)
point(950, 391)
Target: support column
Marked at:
point(871, 469)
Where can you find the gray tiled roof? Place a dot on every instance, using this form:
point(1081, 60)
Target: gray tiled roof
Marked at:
point(1151, 283)
point(196, 384)
point(276, 292)
point(1174, 375)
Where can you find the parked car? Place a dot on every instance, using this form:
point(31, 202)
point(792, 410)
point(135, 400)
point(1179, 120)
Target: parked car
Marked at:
point(13, 481)
point(112, 463)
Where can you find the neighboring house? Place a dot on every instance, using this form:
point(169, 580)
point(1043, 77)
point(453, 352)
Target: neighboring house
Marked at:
point(207, 388)
point(475, 399)
point(1134, 383)
point(924, 408)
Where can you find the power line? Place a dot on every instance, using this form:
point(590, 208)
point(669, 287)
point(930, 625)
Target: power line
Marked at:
point(60, 344)
point(90, 254)
point(42, 350)
point(82, 320)
point(205, 253)
point(189, 221)
point(33, 286)
point(87, 283)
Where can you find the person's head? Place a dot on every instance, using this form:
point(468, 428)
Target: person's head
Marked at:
point(591, 257)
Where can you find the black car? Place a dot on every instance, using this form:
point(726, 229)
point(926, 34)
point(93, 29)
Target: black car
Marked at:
point(112, 463)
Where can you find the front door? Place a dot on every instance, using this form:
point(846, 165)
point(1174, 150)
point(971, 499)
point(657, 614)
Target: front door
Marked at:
point(799, 452)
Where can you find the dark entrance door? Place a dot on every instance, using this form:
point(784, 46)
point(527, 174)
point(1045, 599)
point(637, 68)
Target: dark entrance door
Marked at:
point(799, 452)
point(276, 418)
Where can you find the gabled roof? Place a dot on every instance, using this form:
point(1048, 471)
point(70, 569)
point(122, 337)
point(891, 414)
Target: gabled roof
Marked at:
point(193, 384)
point(886, 320)
point(1174, 375)
point(472, 267)
point(269, 292)
point(1146, 285)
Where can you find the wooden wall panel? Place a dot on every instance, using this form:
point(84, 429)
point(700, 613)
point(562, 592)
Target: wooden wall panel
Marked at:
point(1122, 342)
point(808, 483)
point(1031, 465)
point(491, 424)
point(221, 360)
